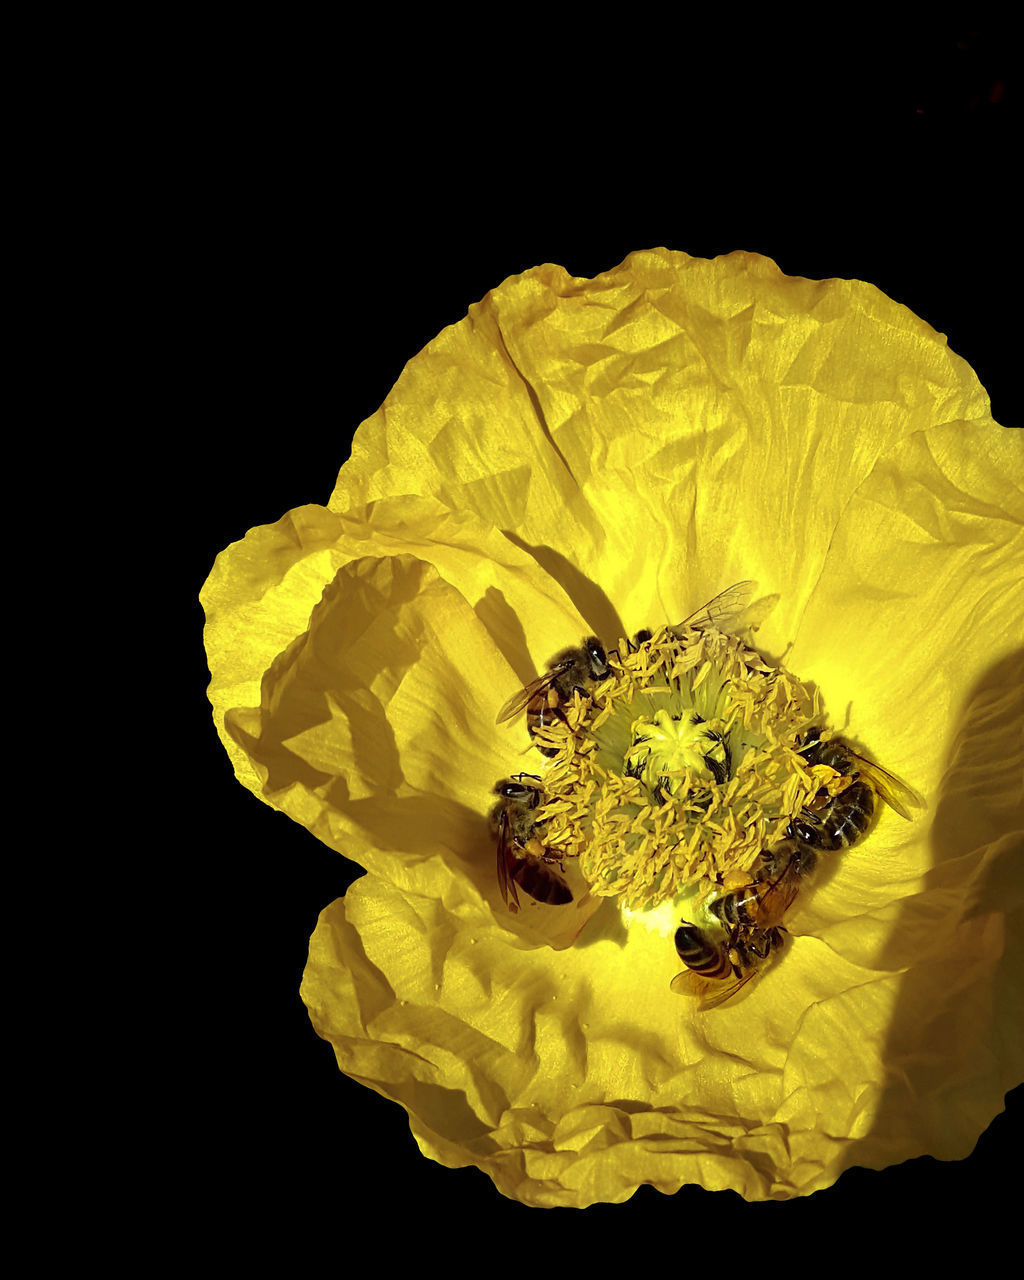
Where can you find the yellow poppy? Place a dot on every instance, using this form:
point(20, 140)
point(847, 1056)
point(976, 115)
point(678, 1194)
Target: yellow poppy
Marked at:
point(598, 457)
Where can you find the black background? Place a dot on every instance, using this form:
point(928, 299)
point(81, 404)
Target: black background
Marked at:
point(315, 242)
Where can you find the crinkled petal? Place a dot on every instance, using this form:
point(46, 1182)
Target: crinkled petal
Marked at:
point(605, 455)
point(642, 432)
point(277, 601)
point(573, 1077)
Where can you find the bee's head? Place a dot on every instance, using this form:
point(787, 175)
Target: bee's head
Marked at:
point(520, 792)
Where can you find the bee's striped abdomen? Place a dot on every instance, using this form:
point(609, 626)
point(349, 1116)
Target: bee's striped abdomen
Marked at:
point(701, 955)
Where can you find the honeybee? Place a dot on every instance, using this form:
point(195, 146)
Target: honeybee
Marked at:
point(573, 670)
point(836, 822)
point(523, 858)
point(763, 902)
point(716, 971)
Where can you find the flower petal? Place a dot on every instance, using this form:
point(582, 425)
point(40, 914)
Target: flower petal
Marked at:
point(605, 455)
point(575, 1078)
point(263, 596)
point(654, 423)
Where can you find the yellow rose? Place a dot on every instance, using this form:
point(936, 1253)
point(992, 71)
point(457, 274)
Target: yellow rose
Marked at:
point(601, 456)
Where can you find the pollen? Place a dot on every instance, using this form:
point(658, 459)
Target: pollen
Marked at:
point(680, 769)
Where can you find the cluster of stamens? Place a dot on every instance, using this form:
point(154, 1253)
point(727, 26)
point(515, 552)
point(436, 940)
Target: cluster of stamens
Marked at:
point(678, 769)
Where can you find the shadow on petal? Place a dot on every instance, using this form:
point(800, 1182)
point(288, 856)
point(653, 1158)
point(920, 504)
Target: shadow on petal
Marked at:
point(505, 628)
point(954, 1046)
point(592, 602)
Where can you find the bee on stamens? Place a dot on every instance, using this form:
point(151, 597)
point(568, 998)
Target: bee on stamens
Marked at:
point(544, 699)
point(523, 858)
point(752, 913)
point(763, 902)
point(839, 821)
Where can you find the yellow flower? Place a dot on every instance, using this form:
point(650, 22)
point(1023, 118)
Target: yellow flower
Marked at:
point(601, 456)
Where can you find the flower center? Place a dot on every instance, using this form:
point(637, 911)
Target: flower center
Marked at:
point(680, 769)
point(668, 749)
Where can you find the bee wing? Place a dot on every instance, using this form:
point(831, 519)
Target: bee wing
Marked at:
point(713, 998)
point(777, 899)
point(519, 700)
point(896, 793)
point(720, 611)
point(710, 994)
point(688, 983)
point(543, 884)
point(506, 885)
point(558, 891)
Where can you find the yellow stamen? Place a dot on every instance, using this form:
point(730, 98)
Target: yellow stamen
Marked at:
point(682, 767)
